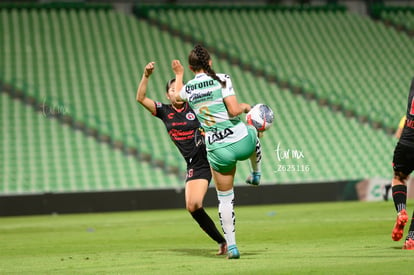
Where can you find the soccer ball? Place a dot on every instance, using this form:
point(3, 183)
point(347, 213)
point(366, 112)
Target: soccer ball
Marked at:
point(260, 117)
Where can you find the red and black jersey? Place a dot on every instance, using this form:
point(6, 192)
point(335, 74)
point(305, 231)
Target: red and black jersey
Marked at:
point(183, 128)
point(407, 135)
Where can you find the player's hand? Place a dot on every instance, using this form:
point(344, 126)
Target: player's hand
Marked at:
point(149, 69)
point(177, 67)
point(245, 107)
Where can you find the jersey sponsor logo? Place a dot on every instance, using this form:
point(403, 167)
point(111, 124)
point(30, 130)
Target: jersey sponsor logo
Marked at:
point(200, 85)
point(178, 123)
point(200, 96)
point(170, 115)
point(217, 136)
point(181, 135)
point(190, 116)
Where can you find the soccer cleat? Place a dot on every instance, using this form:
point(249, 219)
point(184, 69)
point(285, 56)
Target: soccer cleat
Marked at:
point(233, 252)
point(409, 244)
point(398, 230)
point(254, 178)
point(222, 249)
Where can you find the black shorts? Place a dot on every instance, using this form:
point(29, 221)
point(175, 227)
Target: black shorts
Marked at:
point(198, 166)
point(403, 160)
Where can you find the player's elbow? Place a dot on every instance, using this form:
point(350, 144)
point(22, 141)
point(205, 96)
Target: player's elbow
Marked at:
point(233, 107)
point(140, 98)
point(234, 111)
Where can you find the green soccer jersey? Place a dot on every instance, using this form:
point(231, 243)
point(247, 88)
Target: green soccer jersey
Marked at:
point(206, 97)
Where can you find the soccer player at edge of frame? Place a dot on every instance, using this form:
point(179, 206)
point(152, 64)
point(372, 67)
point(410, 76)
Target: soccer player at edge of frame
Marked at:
point(227, 138)
point(403, 165)
point(386, 188)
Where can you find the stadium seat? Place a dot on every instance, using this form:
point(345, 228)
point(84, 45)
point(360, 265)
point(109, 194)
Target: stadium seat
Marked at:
point(90, 62)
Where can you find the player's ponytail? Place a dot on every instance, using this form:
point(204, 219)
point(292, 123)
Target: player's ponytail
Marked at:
point(199, 60)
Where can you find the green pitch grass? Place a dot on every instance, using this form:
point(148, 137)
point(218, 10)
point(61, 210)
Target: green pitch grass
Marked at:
point(318, 238)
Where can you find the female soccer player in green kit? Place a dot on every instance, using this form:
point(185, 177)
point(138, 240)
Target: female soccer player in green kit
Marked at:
point(227, 138)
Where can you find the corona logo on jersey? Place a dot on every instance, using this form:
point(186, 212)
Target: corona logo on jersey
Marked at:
point(200, 85)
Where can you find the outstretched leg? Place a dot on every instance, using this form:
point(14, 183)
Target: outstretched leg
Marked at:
point(194, 195)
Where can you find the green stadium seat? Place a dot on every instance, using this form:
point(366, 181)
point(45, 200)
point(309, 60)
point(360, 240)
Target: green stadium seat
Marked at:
point(91, 62)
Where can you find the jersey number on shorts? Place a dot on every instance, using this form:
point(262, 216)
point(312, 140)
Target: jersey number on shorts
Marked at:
point(190, 173)
point(210, 121)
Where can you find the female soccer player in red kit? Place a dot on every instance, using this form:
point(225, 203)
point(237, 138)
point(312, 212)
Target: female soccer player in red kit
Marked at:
point(184, 130)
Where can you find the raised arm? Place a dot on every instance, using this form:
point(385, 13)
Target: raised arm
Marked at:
point(142, 89)
point(179, 76)
point(234, 108)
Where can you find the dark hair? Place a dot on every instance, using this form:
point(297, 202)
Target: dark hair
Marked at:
point(198, 60)
point(169, 83)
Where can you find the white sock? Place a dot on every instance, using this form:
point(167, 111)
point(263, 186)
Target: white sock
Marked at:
point(256, 158)
point(226, 215)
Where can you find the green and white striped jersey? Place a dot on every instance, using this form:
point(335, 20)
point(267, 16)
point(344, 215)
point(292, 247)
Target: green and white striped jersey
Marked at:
point(206, 97)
